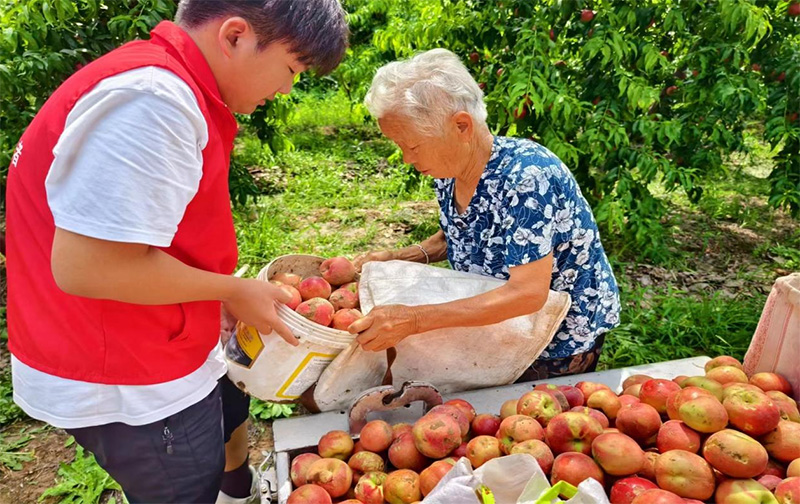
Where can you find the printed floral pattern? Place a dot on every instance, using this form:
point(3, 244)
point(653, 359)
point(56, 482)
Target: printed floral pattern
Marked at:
point(526, 206)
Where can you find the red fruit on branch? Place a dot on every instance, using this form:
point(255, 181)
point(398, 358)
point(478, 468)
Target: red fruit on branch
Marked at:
point(587, 15)
point(521, 112)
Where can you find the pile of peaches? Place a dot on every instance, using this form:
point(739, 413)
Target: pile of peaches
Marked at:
point(721, 437)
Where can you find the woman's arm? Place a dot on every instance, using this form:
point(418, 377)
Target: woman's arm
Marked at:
point(435, 246)
point(525, 292)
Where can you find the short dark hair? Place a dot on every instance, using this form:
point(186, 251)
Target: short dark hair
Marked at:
point(315, 30)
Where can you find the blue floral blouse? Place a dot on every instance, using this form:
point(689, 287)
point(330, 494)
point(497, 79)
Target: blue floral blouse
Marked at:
point(527, 205)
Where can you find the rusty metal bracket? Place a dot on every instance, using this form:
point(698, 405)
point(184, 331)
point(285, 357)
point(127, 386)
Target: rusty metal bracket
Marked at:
point(386, 398)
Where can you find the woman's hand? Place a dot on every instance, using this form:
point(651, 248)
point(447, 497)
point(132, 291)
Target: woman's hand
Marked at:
point(380, 255)
point(385, 327)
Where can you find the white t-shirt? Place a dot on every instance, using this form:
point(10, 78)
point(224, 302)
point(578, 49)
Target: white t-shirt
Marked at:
point(127, 164)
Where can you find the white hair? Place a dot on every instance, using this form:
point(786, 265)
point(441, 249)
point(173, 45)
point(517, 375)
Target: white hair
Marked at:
point(427, 89)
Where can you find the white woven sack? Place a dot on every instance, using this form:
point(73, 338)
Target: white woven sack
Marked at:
point(453, 359)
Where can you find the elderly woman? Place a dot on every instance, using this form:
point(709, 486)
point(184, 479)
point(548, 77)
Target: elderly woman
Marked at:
point(509, 208)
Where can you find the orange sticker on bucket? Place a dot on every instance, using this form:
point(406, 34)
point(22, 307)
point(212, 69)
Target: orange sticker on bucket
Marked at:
point(244, 346)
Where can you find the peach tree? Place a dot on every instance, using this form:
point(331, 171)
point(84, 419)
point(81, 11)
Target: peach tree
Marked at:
point(42, 42)
point(631, 94)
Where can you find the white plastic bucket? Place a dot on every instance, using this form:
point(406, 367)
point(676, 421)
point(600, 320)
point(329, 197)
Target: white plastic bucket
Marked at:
point(264, 365)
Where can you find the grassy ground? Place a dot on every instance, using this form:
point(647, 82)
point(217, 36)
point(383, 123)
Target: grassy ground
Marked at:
point(341, 192)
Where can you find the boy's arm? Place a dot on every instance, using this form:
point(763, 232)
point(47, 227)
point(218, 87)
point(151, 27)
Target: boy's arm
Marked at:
point(141, 274)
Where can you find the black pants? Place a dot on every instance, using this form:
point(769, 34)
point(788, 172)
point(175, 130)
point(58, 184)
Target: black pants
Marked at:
point(179, 459)
point(586, 362)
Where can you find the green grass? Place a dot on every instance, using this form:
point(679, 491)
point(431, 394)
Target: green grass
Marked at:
point(11, 450)
point(331, 109)
point(732, 240)
point(267, 410)
point(9, 411)
point(337, 191)
point(82, 481)
point(659, 324)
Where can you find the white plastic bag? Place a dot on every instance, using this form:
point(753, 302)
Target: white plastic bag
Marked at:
point(776, 343)
point(453, 359)
point(513, 479)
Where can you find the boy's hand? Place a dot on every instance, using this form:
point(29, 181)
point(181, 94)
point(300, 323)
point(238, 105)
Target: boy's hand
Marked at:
point(253, 302)
point(227, 323)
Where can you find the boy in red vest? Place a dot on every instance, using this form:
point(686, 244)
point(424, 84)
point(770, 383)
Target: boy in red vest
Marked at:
point(121, 244)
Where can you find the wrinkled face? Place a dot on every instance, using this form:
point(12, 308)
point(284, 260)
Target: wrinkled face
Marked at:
point(249, 76)
point(437, 156)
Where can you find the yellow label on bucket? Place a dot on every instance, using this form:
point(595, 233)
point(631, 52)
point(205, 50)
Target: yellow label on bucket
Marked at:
point(249, 340)
point(306, 374)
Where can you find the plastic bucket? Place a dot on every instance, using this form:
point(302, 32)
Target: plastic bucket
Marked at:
point(264, 365)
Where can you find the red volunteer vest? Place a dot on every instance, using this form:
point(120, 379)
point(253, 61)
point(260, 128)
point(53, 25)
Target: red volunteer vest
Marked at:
point(108, 341)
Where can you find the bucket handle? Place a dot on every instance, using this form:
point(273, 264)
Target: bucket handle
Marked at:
point(387, 398)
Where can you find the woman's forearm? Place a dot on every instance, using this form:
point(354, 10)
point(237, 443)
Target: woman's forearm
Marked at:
point(491, 307)
point(435, 247)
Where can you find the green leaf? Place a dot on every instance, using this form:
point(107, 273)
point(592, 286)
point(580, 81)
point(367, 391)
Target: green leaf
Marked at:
point(80, 482)
point(48, 12)
point(11, 456)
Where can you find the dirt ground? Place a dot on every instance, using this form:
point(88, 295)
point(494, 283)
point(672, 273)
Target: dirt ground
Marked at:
point(49, 450)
